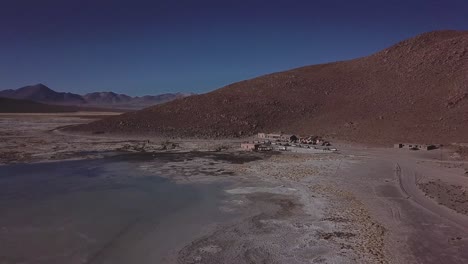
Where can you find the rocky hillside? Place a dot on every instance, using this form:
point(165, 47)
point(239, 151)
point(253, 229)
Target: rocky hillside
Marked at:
point(416, 90)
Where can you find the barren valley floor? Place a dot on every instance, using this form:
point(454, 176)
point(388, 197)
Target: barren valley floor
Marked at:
point(360, 205)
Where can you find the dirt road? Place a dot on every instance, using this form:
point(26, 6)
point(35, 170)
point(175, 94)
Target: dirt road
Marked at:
point(421, 228)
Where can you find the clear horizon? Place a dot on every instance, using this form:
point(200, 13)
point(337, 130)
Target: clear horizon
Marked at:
point(154, 47)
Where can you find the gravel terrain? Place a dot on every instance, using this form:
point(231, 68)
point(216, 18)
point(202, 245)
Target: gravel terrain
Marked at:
point(358, 205)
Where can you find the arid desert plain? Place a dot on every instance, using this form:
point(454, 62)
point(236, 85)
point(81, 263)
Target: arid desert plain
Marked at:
point(75, 198)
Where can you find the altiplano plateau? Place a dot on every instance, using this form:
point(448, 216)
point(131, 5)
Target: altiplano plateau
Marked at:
point(233, 132)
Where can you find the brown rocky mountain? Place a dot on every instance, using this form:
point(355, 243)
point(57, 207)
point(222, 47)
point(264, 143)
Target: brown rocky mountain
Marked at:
point(416, 90)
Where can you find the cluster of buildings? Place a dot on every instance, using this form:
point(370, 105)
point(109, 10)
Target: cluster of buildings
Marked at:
point(255, 147)
point(413, 146)
point(280, 141)
point(278, 137)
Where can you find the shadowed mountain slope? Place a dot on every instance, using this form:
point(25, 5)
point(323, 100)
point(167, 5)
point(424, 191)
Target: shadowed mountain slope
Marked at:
point(416, 90)
point(106, 98)
point(8, 105)
point(43, 94)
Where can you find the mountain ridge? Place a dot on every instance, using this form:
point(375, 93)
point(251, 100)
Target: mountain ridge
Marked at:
point(43, 94)
point(415, 90)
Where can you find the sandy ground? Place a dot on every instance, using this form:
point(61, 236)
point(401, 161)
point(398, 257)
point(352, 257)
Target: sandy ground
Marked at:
point(360, 205)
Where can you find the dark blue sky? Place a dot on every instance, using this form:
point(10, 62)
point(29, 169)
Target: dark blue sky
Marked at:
point(148, 47)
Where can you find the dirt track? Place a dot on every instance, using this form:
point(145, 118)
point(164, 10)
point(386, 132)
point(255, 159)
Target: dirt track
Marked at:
point(421, 230)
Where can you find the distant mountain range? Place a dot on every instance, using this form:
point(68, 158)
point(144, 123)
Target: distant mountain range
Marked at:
point(43, 94)
point(112, 99)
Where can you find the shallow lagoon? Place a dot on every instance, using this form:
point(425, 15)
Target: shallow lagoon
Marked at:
point(99, 211)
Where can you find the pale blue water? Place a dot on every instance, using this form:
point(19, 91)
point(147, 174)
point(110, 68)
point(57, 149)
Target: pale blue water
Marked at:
point(98, 211)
